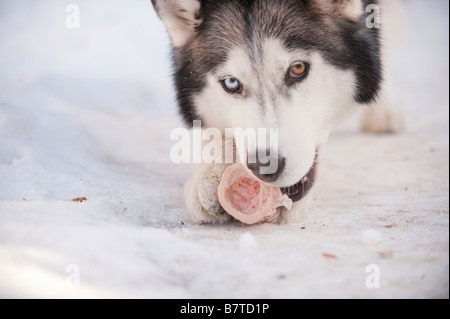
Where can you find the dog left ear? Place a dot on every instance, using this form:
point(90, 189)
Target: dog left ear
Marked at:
point(348, 9)
point(182, 18)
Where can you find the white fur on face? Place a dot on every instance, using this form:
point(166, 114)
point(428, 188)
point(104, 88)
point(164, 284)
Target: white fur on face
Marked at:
point(303, 113)
point(224, 110)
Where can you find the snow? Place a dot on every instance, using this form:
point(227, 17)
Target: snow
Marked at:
point(247, 242)
point(88, 112)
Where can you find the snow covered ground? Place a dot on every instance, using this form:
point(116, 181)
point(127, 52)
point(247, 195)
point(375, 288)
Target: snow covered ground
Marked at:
point(88, 112)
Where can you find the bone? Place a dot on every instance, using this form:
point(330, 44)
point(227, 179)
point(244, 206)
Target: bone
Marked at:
point(247, 198)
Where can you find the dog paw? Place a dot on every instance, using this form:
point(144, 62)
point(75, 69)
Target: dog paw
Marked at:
point(201, 198)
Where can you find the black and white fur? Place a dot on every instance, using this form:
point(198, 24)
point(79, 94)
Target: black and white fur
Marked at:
point(256, 41)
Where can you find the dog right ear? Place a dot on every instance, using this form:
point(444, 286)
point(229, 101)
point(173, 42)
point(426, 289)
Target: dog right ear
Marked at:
point(348, 9)
point(182, 18)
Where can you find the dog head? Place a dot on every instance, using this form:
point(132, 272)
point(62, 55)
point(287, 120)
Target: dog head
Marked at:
point(294, 65)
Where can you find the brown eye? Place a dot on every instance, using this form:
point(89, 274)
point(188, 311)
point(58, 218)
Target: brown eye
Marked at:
point(297, 70)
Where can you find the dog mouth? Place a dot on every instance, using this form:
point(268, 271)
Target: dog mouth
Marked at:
point(299, 190)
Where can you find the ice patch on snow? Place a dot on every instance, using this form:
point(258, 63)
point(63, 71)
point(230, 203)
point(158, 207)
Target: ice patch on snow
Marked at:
point(371, 237)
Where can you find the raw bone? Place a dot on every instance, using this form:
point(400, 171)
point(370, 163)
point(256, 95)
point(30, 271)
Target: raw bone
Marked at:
point(247, 198)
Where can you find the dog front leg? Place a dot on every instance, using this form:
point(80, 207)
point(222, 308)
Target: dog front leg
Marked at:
point(200, 194)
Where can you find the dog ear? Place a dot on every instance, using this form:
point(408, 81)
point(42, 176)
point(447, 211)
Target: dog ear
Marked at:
point(182, 18)
point(348, 9)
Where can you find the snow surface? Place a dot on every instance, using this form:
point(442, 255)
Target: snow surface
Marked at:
point(88, 112)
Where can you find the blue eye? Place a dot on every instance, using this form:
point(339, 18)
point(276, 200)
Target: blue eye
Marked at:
point(231, 84)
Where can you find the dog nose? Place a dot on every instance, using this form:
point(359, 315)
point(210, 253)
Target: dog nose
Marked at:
point(258, 169)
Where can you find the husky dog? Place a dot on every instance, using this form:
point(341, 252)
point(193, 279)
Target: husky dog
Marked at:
point(295, 65)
